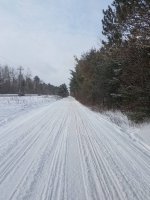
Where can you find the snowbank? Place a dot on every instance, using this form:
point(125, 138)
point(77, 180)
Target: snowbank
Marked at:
point(138, 132)
point(118, 118)
point(12, 106)
point(144, 132)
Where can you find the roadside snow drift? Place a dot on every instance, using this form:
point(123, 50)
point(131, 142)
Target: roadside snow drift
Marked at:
point(12, 106)
point(64, 151)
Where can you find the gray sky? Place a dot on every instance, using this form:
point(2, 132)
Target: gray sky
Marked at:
point(44, 35)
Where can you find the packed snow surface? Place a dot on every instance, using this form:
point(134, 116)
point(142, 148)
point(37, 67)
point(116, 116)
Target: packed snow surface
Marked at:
point(64, 151)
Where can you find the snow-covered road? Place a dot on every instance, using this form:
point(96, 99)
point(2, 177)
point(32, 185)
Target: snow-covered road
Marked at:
point(64, 151)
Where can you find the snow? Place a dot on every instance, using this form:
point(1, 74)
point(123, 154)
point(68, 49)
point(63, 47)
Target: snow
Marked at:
point(144, 132)
point(140, 131)
point(66, 151)
point(118, 118)
point(12, 105)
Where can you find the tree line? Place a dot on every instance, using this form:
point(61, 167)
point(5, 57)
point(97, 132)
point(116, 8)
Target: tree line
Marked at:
point(14, 82)
point(118, 74)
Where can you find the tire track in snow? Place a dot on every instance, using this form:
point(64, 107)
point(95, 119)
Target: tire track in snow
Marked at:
point(67, 152)
point(126, 178)
point(94, 169)
point(37, 170)
point(31, 141)
point(16, 156)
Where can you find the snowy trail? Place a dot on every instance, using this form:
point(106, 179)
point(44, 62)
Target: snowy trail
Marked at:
point(64, 151)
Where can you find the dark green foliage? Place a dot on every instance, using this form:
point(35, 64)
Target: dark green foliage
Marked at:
point(118, 74)
point(63, 91)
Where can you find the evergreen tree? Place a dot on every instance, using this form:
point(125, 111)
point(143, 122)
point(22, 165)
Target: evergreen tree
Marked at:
point(63, 91)
point(118, 74)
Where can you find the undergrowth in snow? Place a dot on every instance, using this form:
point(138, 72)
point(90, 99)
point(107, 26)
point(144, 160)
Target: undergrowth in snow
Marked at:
point(119, 119)
point(138, 131)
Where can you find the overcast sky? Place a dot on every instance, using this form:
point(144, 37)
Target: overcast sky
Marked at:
point(44, 35)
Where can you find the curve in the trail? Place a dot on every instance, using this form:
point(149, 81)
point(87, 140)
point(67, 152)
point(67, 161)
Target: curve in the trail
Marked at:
point(64, 151)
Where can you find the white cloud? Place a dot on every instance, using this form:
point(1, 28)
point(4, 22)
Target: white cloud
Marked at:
point(44, 36)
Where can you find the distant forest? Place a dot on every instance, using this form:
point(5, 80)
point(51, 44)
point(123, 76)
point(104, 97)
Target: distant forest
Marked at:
point(13, 81)
point(117, 76)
